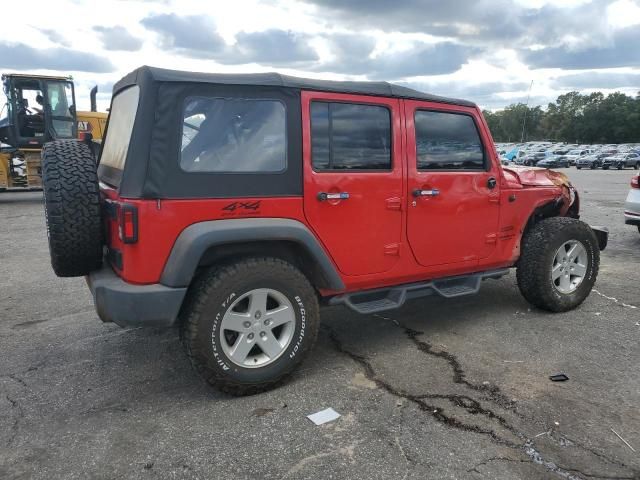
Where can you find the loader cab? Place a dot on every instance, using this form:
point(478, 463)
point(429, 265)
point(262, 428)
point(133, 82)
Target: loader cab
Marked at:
point(38, 109)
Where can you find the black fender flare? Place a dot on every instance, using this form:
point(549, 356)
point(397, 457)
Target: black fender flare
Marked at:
point(196, 239)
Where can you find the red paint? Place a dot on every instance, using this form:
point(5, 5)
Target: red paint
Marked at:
point(378, 237)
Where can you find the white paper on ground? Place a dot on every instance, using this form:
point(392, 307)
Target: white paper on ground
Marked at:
point(324, 416)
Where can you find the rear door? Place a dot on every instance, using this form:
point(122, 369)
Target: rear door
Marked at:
point(453, 185)
point(353, 183)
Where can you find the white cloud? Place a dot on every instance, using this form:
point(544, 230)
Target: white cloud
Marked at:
point(490, 44)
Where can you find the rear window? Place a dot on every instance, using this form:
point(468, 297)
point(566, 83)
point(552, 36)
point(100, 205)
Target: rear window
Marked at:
point(120, 126)
point(233, 135)
point(447, 141)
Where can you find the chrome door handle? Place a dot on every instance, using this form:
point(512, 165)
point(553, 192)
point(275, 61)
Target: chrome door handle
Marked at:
point(322, 196)
point(434, 192)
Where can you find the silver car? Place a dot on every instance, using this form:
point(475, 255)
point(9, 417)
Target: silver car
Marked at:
point(632, 205)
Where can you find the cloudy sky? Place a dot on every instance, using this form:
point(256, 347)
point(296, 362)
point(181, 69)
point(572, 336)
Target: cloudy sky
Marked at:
point(487, 51)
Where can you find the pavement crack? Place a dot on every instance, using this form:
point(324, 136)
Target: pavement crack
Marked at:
point(491, 393)
point(614, 300)
point(14, 427)
point(495, 459)
point(408, 460)
point(419, 400)
point(15, 378)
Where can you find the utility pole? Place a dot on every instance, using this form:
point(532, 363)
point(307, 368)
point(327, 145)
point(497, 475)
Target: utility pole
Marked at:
point(524, 120)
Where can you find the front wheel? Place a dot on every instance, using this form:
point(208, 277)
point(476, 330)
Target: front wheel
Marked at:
point(248, 325)
point(559, 264)
point(637, 165)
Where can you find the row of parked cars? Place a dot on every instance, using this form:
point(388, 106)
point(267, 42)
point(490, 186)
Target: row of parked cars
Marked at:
point(550, 155)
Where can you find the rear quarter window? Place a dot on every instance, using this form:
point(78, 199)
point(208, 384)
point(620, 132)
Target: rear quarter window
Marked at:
point(120, 126)
point(233, 135)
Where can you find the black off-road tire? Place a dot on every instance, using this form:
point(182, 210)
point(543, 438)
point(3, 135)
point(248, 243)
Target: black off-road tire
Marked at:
point(72, 208)
point(539, 247)
point(210, 297)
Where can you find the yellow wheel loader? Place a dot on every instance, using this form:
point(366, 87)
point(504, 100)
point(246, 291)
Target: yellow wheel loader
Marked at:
point(40, 109)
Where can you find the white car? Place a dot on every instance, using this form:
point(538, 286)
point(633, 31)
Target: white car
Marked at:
point(632, 205)
point(573, 155)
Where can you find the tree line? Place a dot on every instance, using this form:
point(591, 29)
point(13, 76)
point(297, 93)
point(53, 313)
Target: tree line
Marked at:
point(573, 118)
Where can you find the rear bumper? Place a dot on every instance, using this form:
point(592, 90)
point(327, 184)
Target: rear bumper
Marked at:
point(130, 305)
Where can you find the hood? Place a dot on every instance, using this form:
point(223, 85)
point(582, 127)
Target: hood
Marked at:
point(537, 177)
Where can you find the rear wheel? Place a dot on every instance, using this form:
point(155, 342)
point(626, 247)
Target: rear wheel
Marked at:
point(72, 208)
point(619, 166)
point(637, 165)
point(559, 264)
point(247, 326)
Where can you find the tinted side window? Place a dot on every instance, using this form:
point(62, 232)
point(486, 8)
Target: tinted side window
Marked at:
point(233, 135)
point(350, 136)
point(447, 141)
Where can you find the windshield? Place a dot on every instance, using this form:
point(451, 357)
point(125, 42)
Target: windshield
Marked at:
point(119, 128)
point(60, 103)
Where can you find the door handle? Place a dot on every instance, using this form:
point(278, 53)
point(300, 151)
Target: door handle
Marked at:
point(323, 196)
point(434, 192)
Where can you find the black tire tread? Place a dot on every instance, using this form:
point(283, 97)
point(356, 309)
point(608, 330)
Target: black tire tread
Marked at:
point(213, 280)
point(72, 208)
point(532, 270)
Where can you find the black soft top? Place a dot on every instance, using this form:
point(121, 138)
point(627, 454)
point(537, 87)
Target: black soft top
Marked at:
point(146, 74)
point(152, 169)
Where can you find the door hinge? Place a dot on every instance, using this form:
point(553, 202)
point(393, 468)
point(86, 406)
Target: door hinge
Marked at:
point(394, 203)
point(392, 249)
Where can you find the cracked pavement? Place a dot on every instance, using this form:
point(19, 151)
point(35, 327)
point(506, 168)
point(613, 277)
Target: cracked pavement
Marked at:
point(438, 389)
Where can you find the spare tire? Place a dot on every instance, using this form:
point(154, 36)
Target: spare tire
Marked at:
point(72, 207)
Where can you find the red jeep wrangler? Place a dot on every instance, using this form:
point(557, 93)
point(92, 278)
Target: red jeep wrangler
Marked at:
point(232, 205)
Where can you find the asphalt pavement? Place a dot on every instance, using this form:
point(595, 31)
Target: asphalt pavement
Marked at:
point(438, 389)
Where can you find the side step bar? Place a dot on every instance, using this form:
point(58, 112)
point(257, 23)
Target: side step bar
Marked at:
point(381, 299)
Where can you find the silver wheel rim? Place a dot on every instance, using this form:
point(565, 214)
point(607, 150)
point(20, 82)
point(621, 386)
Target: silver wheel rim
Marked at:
point(569, 266)
point(257, 328)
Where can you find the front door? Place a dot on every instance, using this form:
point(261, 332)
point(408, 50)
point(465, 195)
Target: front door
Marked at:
point(353, 178)
point(453, 186)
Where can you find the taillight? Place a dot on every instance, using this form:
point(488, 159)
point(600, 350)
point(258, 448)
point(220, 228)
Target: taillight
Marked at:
point(128, 223)
point(635, 182)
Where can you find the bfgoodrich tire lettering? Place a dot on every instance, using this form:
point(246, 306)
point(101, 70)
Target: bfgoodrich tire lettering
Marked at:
point(212, 296)
point(72, 208)
point(539, 248)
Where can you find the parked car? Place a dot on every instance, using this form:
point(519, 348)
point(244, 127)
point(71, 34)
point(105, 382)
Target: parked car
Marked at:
point(589, 161)
point(530, 159)
point(553, 162)
point(622, 160)
point(632, 204)
point(573, 155)
point(235, 204)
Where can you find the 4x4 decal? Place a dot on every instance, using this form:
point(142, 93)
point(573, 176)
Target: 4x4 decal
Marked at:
point(241, 208)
